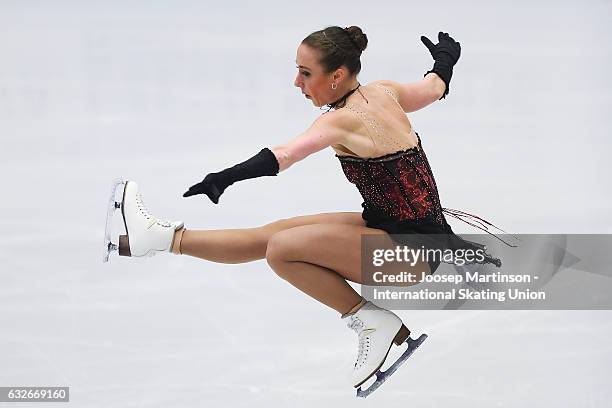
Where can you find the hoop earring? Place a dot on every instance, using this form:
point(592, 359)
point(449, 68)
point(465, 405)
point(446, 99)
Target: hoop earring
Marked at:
point(334, 85)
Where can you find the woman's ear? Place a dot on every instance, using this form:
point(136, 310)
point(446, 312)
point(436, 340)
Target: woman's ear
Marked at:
point(339, 75)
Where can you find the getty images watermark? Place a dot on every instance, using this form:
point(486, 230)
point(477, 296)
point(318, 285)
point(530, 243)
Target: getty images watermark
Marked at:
point(538, 272)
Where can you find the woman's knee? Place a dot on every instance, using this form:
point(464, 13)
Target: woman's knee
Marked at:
point(277, 253)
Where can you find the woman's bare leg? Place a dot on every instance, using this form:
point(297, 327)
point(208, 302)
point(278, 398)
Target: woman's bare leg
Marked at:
point(248, 244)
point(318, 259)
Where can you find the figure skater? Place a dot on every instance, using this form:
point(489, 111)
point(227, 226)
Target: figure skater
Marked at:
point(379, 152)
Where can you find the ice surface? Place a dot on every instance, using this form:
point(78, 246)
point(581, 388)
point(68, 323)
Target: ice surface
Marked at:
point(164, 92)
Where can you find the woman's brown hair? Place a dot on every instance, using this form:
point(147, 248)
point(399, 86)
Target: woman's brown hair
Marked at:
point(339, 46)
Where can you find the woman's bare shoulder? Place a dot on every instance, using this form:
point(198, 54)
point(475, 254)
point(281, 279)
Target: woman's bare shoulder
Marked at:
point(392, 86)
point(337, 120)
point(386, 83)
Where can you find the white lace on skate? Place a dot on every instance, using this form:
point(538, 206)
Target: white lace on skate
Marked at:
point(364, 340)
point(145, 212)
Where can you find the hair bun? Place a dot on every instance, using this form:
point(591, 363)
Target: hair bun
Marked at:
point(358, 37)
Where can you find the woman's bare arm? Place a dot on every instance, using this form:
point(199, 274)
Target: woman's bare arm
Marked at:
point(327, 130)
point(413, 96)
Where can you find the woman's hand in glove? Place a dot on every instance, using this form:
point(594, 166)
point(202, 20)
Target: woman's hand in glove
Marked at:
point(263, 163)
point(445, 53)
point(213, 185)
point(446, 47)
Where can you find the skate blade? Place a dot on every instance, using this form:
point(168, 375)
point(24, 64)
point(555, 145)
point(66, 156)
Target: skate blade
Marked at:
point(382, 376)
point(113, 205)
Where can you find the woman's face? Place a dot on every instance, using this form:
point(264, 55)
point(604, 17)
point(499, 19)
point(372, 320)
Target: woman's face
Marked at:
point(314, 83)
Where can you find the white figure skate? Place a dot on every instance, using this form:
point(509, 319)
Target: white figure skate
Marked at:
point(377, 330)
point(144, 234)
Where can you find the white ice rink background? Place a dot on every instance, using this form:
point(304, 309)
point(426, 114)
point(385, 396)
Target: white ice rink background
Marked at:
point(165, 92)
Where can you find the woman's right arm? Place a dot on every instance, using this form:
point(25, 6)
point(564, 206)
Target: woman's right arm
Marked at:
point(413, 96)
point(327, 130)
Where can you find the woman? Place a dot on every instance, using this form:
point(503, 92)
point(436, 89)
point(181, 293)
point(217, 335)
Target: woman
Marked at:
point(367, 127)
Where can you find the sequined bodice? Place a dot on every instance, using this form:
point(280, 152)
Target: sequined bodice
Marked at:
point(398, 185)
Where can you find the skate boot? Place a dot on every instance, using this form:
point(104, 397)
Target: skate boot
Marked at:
point(145, 234)
point(377, 330)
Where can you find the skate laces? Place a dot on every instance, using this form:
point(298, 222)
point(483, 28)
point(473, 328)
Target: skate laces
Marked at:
point(145, 211)
point(364, 340)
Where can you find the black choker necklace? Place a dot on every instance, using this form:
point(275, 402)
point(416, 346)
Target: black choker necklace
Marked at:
point(336, 104)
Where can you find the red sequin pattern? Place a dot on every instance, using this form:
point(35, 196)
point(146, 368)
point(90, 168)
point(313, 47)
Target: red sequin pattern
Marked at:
point(398, 185)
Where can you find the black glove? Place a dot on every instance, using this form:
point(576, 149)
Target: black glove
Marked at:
point(446, 54)
point(263, 163)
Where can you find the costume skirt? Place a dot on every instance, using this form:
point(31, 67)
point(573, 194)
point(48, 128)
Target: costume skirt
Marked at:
point(425, 233)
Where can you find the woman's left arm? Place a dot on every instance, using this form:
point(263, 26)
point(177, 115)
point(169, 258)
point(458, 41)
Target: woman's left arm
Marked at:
point(324, 132)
